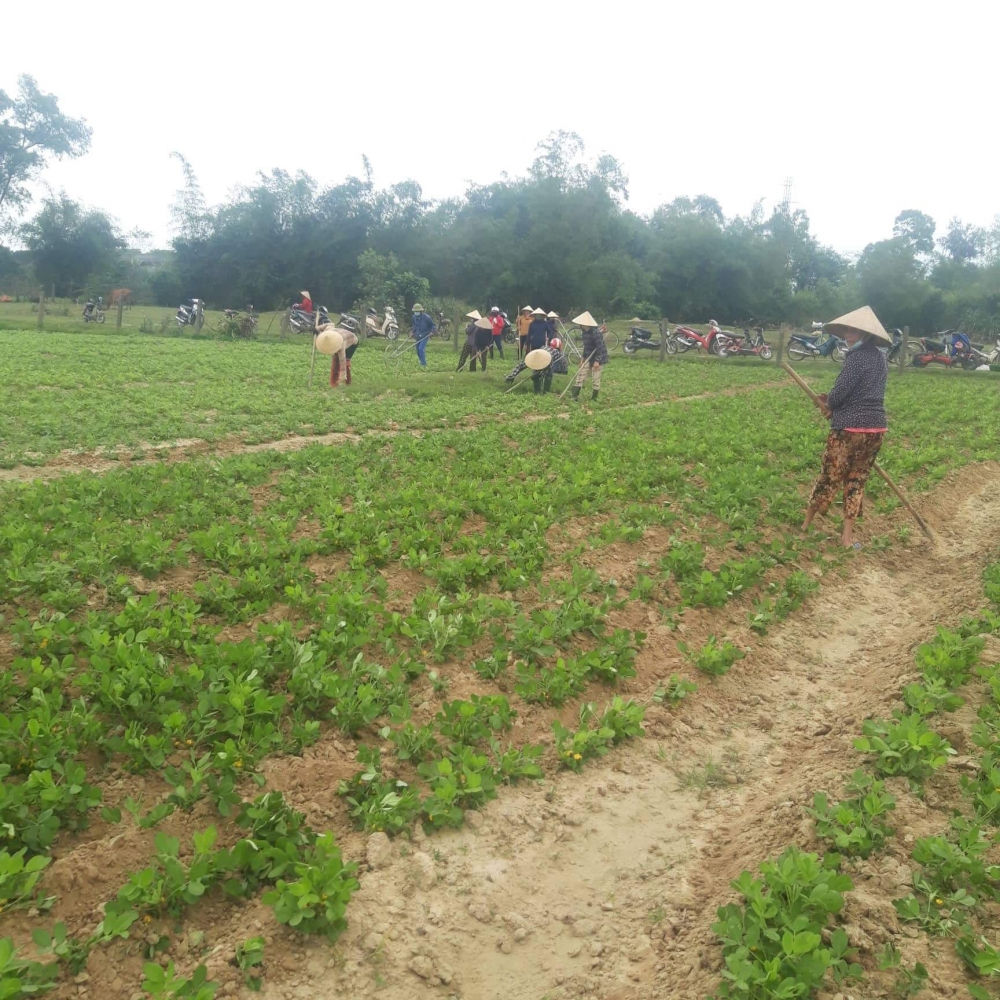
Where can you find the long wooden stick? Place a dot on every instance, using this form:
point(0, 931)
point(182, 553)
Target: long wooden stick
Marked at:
point(478, 357)
point(312, 362)
point(521, 382)
point(577, 372)
point(878, 468)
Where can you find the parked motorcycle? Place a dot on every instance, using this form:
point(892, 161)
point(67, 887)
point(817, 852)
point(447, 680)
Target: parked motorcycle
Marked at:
point(443, 325)
point(300, 321)
point(751, 344)
point(809, 345)
point(349, 322)
point(93, 312)
point(934, 352)
point(912, 349)
point(640, 339)
point(711, 341)
point(190, 313)
point(388, 328)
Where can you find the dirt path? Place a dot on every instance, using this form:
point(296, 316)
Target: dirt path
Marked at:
point(71, 462)
point(604, 885)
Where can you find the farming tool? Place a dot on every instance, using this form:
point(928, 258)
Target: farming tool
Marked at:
point(537, 360)
point(878, 468)
point(577, 372)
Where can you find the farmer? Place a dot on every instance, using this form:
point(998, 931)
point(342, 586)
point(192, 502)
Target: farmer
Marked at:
point(469, 348)
point(551, 318)
point(483, 340)
point(542, 380)
point(498, 321)
point(306, 305)
point(423, 327)
point(340, 363)
point(523, 322)
point(856, 410)
point(538, 331)
point(595, 354)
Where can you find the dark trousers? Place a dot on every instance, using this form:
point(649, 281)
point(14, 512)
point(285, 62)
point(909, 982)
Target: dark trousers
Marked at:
point(542, 381)
point(498, 343)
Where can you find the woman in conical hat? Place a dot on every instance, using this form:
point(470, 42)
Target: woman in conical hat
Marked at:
point(595, 354)
point(855, 407)
point(345, 343)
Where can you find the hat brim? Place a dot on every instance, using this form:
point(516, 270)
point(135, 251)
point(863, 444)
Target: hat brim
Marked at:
point(538, 359)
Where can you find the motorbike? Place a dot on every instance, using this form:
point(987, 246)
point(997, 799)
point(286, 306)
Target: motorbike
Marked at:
point(751, 344)
point(188, 313)
point(640, 339)
point(935, 352)
point(443, 325)
point(93, 312)
point(809, 345)
point(388, 328)
point(685, 338)
point(247, 321)
point(300, 321)
point(892, 355)
point(349, 322)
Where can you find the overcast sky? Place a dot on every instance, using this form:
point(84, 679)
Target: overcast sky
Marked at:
point(870, 107)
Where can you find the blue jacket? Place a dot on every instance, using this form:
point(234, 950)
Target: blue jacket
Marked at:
point(538, 333)
point(423, 326)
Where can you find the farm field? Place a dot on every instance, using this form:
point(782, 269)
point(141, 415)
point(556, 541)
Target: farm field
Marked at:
point(485, 695)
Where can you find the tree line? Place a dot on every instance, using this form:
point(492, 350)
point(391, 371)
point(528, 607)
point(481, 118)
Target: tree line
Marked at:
point(561, 235)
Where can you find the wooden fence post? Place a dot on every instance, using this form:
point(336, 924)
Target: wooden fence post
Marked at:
point(455, 335)
point(780, 357)
point(904, 349)
point(41, 307)
point(664, 325)
point(118, 318)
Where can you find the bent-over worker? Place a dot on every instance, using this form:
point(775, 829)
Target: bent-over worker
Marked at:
point(595, 354)
point(542, 380)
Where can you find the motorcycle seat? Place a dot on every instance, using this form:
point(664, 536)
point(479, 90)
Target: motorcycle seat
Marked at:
point(933, 345)
point(638, 331)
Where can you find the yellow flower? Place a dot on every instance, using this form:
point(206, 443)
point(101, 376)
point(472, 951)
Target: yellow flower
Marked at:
point(147, 919)
point(44, 643)
point(189, 743)
point(938, 902)
point(578, 756)
point(238, 763)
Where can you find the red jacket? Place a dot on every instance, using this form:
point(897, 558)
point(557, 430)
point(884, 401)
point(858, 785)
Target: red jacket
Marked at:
point(306, 305)
point(498, 323)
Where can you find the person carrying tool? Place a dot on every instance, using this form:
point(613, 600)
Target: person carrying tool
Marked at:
point(340, 363)
point(855, 407)
point(482, 342)
point(541, 379)
point(523, 322)
point(423, 329)
point(469, 347)
point(538, 331)
point(595, 354)
point(497, 322)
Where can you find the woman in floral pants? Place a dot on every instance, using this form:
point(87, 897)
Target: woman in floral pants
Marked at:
point(856, 410)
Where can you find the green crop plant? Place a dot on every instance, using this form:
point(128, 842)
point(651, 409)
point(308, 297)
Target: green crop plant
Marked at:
point(714, 658)
point(674, 691)
point(857, 825)
point(249, 960)
point(904, 746)
point(377, 802)
point(779, 942)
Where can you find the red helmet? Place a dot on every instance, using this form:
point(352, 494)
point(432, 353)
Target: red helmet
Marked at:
point(556, 343)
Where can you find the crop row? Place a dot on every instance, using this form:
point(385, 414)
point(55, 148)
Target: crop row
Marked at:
point(783, 940)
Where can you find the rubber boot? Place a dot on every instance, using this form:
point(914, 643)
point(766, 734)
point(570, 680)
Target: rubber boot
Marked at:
point(593, 395)
point(538, 387)
point(576, 392)
point(347, 377)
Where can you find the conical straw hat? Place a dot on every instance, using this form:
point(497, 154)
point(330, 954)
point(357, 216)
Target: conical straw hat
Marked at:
point(305, 294)
point(484, 324)
point(537, 360)
point(537, 312)
point(526, 309)
point(863, 320)
point(473, 315)
point(585, 319)
point(553, 315)
point(329, 341)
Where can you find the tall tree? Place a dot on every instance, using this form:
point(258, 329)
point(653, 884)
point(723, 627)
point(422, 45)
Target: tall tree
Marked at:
point(69, 244)
point(915, 230)
point(962, 242)
point(32, 129)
